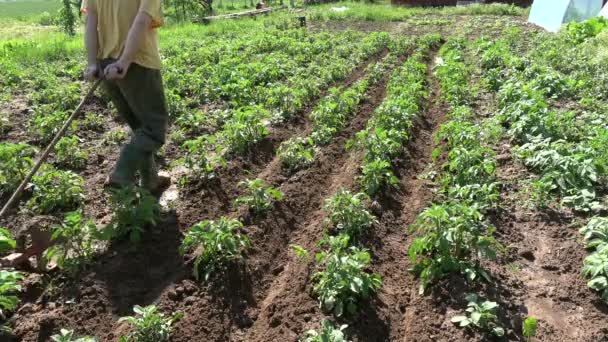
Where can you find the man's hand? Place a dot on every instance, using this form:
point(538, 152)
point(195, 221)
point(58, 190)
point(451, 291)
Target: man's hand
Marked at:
point(116, 70)
point(92, 73)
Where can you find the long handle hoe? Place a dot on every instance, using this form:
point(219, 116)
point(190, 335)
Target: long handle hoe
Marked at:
point(48, 150)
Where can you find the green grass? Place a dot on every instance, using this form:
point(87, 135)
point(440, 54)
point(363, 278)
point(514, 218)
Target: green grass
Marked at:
point(25, 9)
point(386, 12)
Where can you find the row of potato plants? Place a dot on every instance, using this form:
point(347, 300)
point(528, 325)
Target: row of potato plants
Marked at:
point(565, 148)
point(247, 125)
point(331, 116)
point(342, 282)
point(389, 128)
point(453, 234)
point(56, 191)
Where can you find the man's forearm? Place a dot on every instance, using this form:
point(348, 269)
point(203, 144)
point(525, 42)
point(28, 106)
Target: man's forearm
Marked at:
point(141, 24)
point(90, 38)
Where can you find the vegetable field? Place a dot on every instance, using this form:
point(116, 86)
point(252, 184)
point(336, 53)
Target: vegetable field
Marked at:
point(436, 177)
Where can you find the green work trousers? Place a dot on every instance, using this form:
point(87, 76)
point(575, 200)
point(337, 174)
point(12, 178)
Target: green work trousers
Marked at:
point(140, 100)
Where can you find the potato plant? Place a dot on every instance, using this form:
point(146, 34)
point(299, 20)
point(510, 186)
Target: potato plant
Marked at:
point(246, 128)
point(16, 160)
point(56, 190)
point(46, 123)
point(202, 157)
point(347, 213)
point(74, 242)
point(480, 315)
point(219, 242)
point(259, 197)
point(296, 153)
point(149, 325)
point(328, 333)
point(133, 209)
point(66, 335)
point(68, 153)
point(342, 283)
point(453, 236)
point(7, 243)
point(9, 288)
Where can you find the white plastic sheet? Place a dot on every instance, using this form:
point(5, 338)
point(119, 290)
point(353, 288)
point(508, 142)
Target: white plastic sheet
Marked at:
point(604, 12)
point(552, 14)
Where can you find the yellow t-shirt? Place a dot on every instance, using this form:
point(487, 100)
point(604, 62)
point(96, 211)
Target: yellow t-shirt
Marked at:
point(114, 20)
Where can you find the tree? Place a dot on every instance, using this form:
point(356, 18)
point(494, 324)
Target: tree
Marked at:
point(67, 19)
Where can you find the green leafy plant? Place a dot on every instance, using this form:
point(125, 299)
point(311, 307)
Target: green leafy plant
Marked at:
point(480, 315)
point(343, 282)
point(347, 213)
point(7, 243)
point(133, 208)
point(9, 286)
point(259, 196)
point(68, 153)
point(56, 190)
point(296, 154)
point(595, 267)
point(454, 235)
point(246, 128)
point(115, 136)
point(46, 123)
point(74, 242)
point(92, 121)
point(16, 161)
point(219, 242)
point(328, 333)
point(202, 157)
point(66, 335)
point(376, 175)
point(595, 232)
point(149, 325)
point(300, 251)
point(529, 328)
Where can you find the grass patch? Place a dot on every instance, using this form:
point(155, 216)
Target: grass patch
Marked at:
point(25, 9)
point(387, 12)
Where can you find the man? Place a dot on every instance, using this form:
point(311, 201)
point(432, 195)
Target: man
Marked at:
point(122, 48)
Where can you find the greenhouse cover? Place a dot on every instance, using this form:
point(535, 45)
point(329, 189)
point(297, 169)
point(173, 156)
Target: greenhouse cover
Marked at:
point(552, 14)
